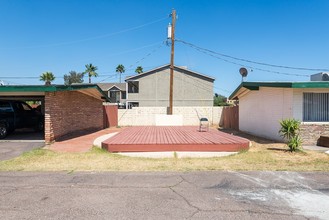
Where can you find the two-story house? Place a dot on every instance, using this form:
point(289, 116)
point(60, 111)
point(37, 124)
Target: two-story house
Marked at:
point(115, 91)
point(151, 88)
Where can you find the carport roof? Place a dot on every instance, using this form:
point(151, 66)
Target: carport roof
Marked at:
point(88, 89)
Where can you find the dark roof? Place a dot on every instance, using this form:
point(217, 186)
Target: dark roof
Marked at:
point(89, 89)
point(182, 69)
point(107, 86)
point(255, 86)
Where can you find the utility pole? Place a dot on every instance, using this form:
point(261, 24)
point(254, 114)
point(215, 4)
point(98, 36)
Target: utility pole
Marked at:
point(173, 16)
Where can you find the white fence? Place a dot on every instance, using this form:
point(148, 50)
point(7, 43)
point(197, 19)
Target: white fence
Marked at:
point(142, 116)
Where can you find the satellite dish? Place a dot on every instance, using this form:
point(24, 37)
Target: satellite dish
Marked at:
point(325, 77)
point(244, 72)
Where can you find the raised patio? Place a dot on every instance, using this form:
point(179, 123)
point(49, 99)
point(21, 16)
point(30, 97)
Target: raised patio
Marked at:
point(173, 138)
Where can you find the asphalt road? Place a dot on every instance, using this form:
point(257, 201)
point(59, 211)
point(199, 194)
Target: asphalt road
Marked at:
point(151, 195)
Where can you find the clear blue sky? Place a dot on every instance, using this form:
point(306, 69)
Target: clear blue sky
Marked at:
point(64, 35)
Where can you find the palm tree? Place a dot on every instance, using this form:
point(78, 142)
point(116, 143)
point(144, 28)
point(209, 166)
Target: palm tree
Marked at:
point(91, 70)
point(120, 69)
point(47, 77)
point(139, 70)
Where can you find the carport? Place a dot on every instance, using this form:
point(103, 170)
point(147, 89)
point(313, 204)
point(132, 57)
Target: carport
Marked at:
point(67, 109)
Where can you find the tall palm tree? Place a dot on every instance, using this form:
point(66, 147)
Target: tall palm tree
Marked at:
point(91, 70)
point(47, 77)
point(139, 70)
point(120, 69)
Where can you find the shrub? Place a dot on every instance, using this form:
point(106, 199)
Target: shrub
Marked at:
point(294, 143)
point(290, 131)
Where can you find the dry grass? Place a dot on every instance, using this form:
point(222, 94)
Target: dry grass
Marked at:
point(263, 155)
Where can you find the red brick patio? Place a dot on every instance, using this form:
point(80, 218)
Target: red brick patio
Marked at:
point(79, 142)
point(175, 138)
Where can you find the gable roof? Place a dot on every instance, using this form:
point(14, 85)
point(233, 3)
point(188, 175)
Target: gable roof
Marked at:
point(108, 86)
point(167, 66)
point(88, 89)
point(244, 86)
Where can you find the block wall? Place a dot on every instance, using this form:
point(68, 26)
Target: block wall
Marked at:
point(145, 116)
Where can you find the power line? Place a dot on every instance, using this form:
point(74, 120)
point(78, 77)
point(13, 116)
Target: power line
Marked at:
point(147, 55)
point(205, 51)
point(92, 38)
point(102, 75)
point(138, 61)
point(250, 61)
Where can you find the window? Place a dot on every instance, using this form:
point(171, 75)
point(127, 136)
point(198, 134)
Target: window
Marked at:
point(133, 87)
point(26, 107)
point(123, 95)
point(115, 96)
point(316, 107)
point(5, 107)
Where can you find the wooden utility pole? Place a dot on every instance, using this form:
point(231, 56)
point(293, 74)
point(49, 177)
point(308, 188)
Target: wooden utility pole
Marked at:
point(173, 16)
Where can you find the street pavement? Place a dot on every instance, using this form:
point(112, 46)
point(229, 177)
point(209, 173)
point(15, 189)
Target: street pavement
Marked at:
point(164, 195)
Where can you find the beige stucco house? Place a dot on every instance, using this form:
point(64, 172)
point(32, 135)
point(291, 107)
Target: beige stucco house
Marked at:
point(263, 104)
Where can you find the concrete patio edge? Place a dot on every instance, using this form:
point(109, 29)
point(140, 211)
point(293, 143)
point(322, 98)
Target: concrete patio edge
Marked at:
point(178, 154)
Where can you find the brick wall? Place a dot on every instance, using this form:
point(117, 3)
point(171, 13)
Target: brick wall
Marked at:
point(70, 111)
point(310, 133)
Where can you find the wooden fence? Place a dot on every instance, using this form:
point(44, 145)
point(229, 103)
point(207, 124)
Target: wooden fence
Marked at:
point(110, 115)
point(230, 117)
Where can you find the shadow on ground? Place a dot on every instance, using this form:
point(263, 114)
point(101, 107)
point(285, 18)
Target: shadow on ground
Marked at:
point(250, 137)
point(25, 135)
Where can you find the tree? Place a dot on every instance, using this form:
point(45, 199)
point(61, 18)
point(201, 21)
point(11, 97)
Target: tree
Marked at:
point(219, 100)
point(120, 69)
point(91, 70)
point(47, 77)
point(139, 70)
point(73, 77)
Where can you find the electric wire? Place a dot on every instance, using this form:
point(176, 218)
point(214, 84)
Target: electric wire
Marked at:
point(138, 61)
point(256, 68)
point(251, 67)
point(101, 75)
point(250, 61)
point(92, 38)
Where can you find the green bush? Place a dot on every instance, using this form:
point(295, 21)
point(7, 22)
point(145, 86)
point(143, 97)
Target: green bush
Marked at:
point(294, 143)
point(290, 131)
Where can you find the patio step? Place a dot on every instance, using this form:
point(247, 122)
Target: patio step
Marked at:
point(323, 141)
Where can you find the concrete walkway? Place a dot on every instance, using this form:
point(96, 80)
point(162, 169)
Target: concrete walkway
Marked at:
point(316, 148)
point(82, 143)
